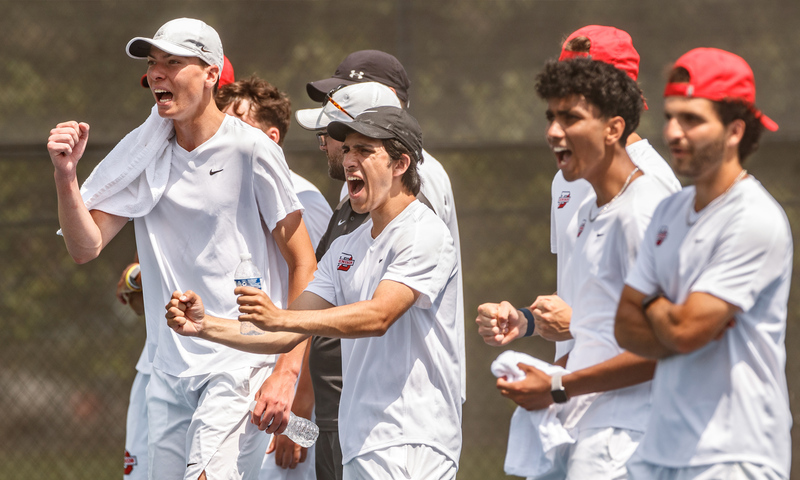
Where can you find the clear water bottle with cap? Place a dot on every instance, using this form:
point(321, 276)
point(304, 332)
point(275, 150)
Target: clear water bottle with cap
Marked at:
point(301, 431)
point(247, 275)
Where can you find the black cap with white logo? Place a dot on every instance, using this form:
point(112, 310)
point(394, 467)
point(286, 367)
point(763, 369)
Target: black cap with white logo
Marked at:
point(364, 66)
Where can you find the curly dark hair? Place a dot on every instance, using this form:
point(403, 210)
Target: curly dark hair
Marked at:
point(728, 111)
point(269, 106)
point(395, 149)
point(608, 88)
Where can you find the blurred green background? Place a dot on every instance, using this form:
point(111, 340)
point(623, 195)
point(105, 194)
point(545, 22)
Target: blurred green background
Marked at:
point(69, 348)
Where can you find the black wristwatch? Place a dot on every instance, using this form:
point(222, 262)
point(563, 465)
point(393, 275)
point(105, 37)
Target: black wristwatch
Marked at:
point(557, 390)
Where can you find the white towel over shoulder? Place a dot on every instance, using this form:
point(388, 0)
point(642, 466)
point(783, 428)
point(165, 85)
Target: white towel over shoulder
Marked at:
point(533, 435)
point(133, 176)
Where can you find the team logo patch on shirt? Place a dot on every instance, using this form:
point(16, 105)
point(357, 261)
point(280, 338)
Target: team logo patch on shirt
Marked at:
point(661, 236)
point(345, 262)
point(563, 199)
point(580, 229)
point(130, 462)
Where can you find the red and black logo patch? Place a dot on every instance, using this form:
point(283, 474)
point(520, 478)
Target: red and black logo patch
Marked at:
point(345, 262)
point(563, 199)
point(661, 236)
point(130, 462)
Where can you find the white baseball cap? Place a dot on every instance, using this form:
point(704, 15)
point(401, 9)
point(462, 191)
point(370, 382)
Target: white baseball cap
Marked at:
point(185, 37)
point(352, 100)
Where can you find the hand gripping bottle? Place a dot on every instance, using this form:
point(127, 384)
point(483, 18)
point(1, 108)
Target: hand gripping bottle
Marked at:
point(247, 275)
point(301, 431)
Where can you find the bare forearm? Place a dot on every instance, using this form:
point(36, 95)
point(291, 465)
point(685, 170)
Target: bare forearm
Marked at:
point(691, 325)
point(634, 333)
point(291, 363)
point(226, 332)
point(624, 370)
point(303, 403)
point(360, 319)
point(81, 235)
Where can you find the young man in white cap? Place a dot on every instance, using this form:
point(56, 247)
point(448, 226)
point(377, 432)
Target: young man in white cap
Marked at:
point(201, 186)
point(708, 294)
point(388, 290)
point(129, 292)
point(551, 313)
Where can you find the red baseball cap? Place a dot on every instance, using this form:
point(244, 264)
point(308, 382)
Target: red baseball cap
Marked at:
point(607, 44)
point(717, 75)
point(225, 77)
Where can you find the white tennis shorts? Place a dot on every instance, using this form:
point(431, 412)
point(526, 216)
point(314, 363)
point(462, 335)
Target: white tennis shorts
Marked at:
point(413, 462)
point(202, 423)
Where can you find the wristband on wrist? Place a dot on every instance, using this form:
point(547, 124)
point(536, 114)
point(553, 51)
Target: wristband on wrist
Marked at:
point(130, 278)
point(648, 300)
point(531, 324)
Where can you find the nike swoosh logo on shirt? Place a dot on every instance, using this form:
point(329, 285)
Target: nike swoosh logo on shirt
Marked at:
point(341, 222)
point(212, 172)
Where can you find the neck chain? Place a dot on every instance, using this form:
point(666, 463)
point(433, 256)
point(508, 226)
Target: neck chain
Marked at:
point(608, 204)
point(716, 201)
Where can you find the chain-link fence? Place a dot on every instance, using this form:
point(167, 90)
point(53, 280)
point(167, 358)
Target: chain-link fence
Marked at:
point(69, 348)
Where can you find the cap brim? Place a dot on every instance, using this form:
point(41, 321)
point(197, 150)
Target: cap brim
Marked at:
point(139, 47)
point(768, 123)
point(339, 130)
point(312, 118)
point(319, 89)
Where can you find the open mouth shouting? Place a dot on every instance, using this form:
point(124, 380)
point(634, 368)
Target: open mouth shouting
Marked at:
point(563, 155)
point(354, 185)
point(162, 96)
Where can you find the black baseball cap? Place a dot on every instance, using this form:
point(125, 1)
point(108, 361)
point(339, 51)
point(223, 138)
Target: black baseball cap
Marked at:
point(364, 66)
point(383, 123)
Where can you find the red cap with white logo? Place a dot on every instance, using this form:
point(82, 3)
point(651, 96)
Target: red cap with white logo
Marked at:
point(718, 75)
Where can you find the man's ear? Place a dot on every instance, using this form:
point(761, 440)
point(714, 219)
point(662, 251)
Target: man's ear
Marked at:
point(212, 75)
point(400, 166)
point(734, 133)
point(274, 134)
point(614, 129)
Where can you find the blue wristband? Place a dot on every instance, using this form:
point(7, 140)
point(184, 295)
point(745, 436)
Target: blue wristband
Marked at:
point(531, 324)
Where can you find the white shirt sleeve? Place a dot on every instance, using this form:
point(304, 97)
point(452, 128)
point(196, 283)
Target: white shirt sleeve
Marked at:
point(424, 262)
point(272, 184)
point(642, 276)
point(749, 255)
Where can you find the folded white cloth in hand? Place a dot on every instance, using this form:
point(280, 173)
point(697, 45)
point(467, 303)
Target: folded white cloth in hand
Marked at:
point(533, 436)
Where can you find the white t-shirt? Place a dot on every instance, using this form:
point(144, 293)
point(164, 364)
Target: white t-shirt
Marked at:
point(437, 189)
point(316, 215)
point(728, 400)
point(405, 386)
point(603, 253)
point(568, 196)
point(316, 211)
point(221, 199)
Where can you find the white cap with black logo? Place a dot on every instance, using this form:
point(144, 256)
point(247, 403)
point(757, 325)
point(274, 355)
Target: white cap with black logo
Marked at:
point(184, 37)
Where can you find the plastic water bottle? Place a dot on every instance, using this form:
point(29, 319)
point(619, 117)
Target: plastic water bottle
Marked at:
point(301, 431)
point(247, 275)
